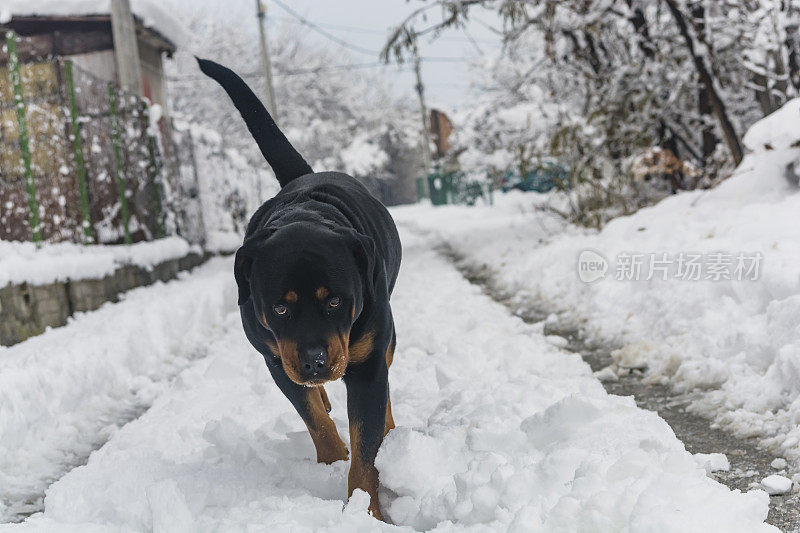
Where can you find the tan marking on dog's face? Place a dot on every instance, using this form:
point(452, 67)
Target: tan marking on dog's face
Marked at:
point(273, 347)
point(287, 349)
point(263, 319)
point(360, 349)
point(338, 356)
point(322, 293)
point(290, 297)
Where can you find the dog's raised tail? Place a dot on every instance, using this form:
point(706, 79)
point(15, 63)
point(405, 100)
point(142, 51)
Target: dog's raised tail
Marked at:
point(285, 161)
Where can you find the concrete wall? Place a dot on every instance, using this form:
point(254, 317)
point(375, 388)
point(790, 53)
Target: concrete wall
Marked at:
point(26, 310)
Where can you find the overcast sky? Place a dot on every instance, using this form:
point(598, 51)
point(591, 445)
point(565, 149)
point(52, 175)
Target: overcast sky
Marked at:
point(365, 24)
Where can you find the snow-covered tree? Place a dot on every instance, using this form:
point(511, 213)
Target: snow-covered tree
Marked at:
point(342, 120)
point(601, 83)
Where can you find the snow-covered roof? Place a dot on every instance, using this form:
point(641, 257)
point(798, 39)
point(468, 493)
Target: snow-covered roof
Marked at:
point(149, 14)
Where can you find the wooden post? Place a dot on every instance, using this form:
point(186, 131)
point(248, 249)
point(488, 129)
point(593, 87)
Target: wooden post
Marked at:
point(155, 174)
point(24, 146)
point(115, 137)
point(77, 145)
point(261, 12)
point(426, 147)
point(126, 47)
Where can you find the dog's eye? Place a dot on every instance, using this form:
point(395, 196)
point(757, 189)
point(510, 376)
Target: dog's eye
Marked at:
point(335, 301)
point(279, 309)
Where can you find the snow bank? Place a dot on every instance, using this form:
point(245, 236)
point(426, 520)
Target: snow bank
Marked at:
point(151, 15)
point(64, 392)
point(24, 262)
point(736, 342)
point(498, 430)
point(223, 242)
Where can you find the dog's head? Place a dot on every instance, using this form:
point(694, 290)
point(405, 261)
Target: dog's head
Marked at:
point(307, 284)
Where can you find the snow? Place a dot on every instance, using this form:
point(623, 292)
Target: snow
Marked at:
point(498, 428)
point(776, 484)
point(230, 186)
point(362, 157)
point(151, 14)
point(607, 374)
point(777, 131)
point(712, 462)
point(223, 241)
point(65, 391)
point(25, 262)
point(779, 463)
point(734, 343)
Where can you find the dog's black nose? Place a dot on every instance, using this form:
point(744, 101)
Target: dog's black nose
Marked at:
point(313, 360)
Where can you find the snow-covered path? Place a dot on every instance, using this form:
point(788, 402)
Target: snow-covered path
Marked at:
point(64, 392)
point(498, 430)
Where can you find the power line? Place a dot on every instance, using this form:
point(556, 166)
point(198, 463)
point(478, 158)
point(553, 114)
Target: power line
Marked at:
point(266, 64)
point(324, 32)
point(371, 31)
point(329, 68)
point(317, 28)
point(342, 27)
point(299, 72)
point(435, 59)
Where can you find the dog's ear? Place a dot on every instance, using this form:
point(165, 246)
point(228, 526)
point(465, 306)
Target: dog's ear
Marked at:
point(243, 263)
point(242, 266)
point(363, 248)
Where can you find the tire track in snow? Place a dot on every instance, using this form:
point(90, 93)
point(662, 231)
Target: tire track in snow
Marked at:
point(63, 394)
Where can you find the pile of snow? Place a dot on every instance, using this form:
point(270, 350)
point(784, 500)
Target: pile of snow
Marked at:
point(150, 13)
point(498, 430)
point(713, 462)
point(735, 341)
point(25, 262)
point(223, 242)
point(778, 131)
point(776, 484)
point(64, 392)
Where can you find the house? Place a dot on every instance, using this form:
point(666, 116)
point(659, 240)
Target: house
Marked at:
point(68, 66)
point(441, 127)
point(80, 30)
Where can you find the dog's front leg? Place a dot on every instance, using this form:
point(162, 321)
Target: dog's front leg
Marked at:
point(367, 395)
point(312, 405)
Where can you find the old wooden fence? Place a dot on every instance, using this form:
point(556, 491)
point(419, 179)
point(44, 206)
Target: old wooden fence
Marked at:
point(82, 161)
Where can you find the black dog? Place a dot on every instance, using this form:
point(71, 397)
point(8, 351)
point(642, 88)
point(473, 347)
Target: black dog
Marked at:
point(315, 272)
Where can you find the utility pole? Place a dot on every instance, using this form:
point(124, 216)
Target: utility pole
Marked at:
point(426, 144)
point(126, 47)
point(261, 11)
